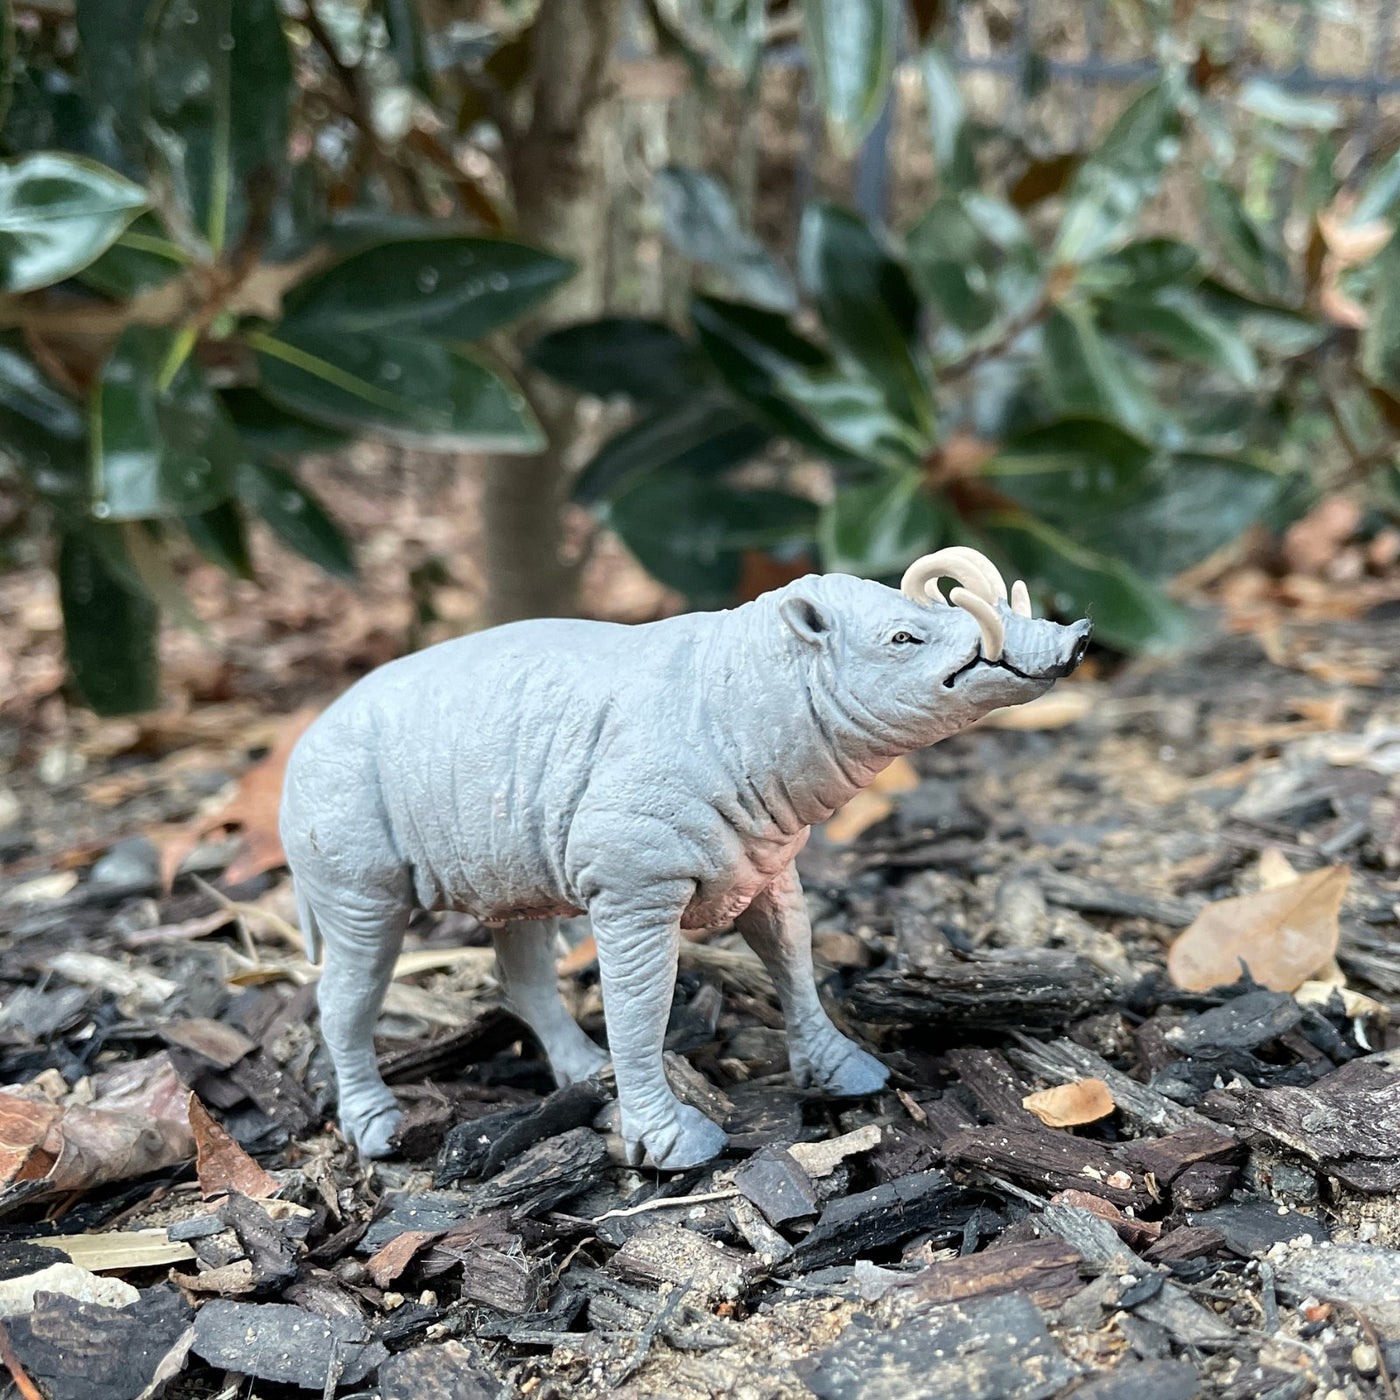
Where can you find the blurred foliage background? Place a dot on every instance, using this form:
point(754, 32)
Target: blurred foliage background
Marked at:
point(761, 286)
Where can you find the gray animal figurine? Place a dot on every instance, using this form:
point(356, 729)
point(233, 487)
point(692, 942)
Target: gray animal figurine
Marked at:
point(660, 777)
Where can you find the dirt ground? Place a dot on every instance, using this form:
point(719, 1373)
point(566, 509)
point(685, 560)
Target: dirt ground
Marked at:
point(1096, 1167)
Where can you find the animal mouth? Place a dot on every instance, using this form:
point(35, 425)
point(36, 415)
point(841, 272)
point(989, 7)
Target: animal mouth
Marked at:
point(1000, 665)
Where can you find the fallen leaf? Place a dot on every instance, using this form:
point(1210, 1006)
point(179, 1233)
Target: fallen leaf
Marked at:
point(221, 1164)
point(116, 1250)
point(129, 1130)
point(1054, 710)
point(582, 955)
point(1274, 869)
point(1069, 1105)
point(252, 809)
point(1283, 934)
point(1318, 993)
point(392, 1259)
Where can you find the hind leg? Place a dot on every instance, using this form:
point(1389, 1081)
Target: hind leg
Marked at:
point(362, 942)
point(525, 963)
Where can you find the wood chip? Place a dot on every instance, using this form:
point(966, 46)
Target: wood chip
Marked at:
point(1070, 1105)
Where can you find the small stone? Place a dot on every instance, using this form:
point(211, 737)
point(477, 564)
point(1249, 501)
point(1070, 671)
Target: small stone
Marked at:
point(11, 810)
point(134, 861)
point(1366, 1358)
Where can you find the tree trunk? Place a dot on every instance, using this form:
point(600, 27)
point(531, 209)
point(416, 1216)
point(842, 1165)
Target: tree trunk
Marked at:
point(561, 204)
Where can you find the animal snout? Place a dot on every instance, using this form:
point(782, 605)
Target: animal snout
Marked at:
point(1079, 636)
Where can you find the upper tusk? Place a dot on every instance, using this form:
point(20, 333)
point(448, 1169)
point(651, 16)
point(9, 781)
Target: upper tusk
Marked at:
point(993, 631)
point(973, 570)
point(1021, 599)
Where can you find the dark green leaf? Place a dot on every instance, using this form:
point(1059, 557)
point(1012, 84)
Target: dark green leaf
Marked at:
point(1086, 374)
point(1176, 322)
point(140, 259)
point(1251, 251)
point(703, 224)
point(220, 82)
point(1144, 266)
point(220, 535)
point(109, 39)
point(409, 44)
point(621, 356)
point(702, 434)
point(1380, 340)
point(1128, 612)
point(850, 48)
point(266, 427)
point(1277, 330)
point(161, 444)
point(44, 432)
point(869, 308)
point(1071, 469)
point(295, 516)
point(947, 119)
point(1124, 173)
point(404, 387)
point(1199, 504)
point(111, 628)
point(447, 288)
point(58, 213)
point(797, 388)
point(1380, 194)
point(875, 528)
point(691, 531)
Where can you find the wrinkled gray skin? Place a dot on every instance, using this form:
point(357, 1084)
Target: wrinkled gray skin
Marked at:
point(659, 777)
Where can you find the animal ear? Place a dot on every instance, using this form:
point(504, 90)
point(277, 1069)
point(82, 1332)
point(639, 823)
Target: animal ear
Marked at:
point(807, 618)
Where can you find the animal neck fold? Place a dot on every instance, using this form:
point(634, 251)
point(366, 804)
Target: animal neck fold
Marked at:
point(793, 753)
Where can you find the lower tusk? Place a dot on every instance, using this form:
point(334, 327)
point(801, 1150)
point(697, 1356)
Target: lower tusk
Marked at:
point(1021, 599)
point(993, 632)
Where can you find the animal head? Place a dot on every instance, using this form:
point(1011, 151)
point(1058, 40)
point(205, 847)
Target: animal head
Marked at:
point(916, 666)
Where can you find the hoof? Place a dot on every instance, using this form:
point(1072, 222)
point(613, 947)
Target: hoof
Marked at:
point(689, 1141)
point(371, 1132)
point(852, 1075)
point(576, 1068)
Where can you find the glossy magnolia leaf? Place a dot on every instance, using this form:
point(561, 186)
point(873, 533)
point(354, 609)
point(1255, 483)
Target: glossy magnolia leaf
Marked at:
point(869, 308)
point(109, 45)
point(1199, 503)
point(1380, 340)
point(1176, 322)
point(161, 443)
point(295, 516)
point(875, 528)
point(409, 44)
point(1128, 612)
point(702, 223)
point(1086, 373)
point(947, 119)
point(1076, 467)
point(1380, 194)
point(42, 430)
point(850, 48)
point(403, 387)
point(621, 356)
point(704, 434)
point(220, 82)
point(140, 259)
point(221, 536)
point(1144, 266)
point(267, 428)
point(691, 531)
point(447, 288)
point(1124, 172)
point(58, 213)
point(110, 626)
point(1262, 97)
point(795, 386)
point(1250, 249)
point(1278, 330)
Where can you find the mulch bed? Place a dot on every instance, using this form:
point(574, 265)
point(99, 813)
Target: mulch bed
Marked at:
point(1231, 1229)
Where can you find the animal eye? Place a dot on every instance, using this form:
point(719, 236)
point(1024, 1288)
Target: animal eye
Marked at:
point(903, 638)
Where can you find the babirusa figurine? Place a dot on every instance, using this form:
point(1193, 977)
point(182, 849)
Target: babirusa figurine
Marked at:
point(658, 777)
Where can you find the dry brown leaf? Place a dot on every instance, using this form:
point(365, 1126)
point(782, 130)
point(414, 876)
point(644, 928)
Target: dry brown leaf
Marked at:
point(1284, 934)
point(252, 809)
point(129, 1130)
point(1274, 869)
point(118, 1250)
point(1053, 710)
point(221, 1164)
point(391, 1260)
point(582, 955)
point(1070, 1105)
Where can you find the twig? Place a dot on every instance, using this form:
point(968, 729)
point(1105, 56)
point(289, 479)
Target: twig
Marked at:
point(1013, 332)
point(274, 922)
point(23, 1384)
point(668, 1203)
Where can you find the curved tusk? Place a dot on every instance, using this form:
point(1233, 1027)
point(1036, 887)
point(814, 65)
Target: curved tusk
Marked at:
point(974, 571)
point(1021, 599)
point(993, 632)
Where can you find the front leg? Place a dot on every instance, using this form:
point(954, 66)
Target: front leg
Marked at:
point(638, 945)
point(776, 927)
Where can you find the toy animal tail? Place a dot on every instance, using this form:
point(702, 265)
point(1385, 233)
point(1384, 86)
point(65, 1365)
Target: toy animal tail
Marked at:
point(310, 929)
